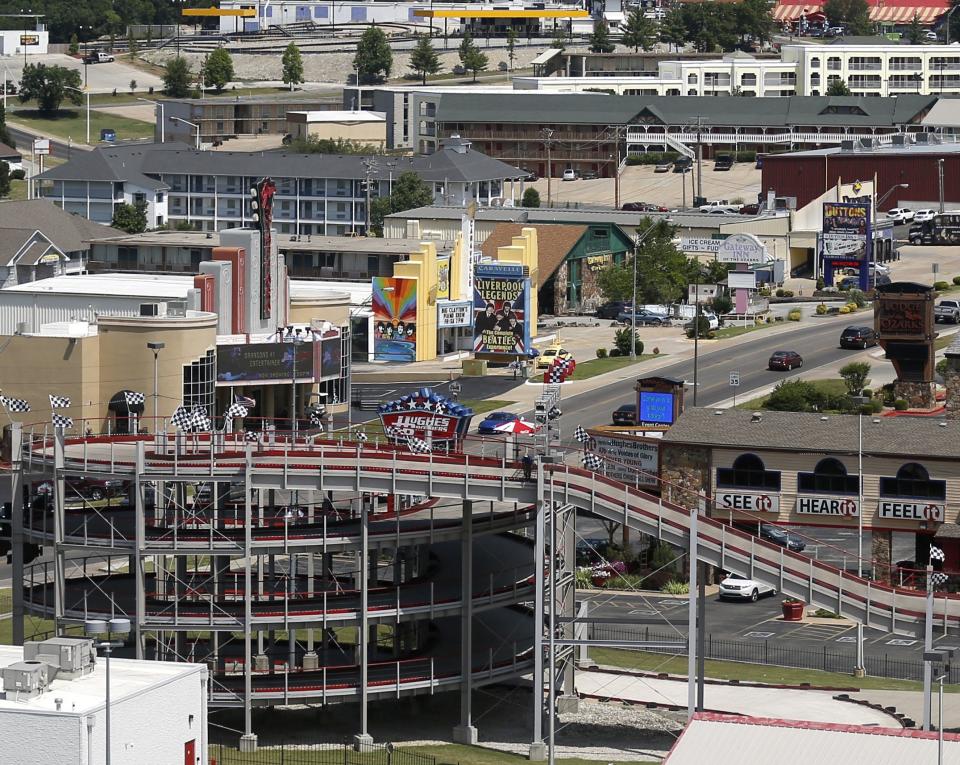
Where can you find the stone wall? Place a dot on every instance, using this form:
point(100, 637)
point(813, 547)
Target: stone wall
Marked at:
point(685, 472)
point(881, 551)
point(952, 381)
point(918, 395)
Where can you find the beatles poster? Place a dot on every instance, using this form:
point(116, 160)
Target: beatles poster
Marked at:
point(501, 305)
point(395, 319)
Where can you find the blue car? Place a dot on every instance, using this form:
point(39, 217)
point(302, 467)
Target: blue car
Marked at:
point(488, 427)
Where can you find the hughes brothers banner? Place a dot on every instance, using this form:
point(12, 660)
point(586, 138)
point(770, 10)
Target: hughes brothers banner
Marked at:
point(501, 309)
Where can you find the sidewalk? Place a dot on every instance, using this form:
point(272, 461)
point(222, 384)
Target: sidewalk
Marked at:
point(789, 703)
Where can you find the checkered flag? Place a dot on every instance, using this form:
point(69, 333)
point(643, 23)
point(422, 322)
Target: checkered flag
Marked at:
point(62, 421)
point(134, 398)
point(581, 435)
point(252, 436)
point(315, 419)
point(938, 579)
point(361, 436)
point(14, 404)
point(200, 420)
point(236, 410)
point(418, 445)
point(182, 418)
point(592, 461)
point(59, 402)
point(937, 557)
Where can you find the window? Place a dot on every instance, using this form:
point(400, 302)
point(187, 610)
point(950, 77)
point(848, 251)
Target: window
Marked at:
point(913, 481)
point(748, 472)
point(159, 197)
point(815, 62)
point(199, 380)
point(748, 80)
point(692, 79)
point(829, 476)
point(127, 257)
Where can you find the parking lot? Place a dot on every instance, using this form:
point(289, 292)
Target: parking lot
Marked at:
point(101, 78)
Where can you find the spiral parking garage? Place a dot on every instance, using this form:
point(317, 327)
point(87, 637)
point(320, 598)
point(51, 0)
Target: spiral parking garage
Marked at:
point(288, 592)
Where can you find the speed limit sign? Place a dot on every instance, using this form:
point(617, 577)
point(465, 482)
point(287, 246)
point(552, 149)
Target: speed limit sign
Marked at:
point(735, 378)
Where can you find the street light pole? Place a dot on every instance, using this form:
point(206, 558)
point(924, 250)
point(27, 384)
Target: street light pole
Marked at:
point(156, 347)
point(548, 134)
point(159, 106)
point(93, 628)
point(191, 124)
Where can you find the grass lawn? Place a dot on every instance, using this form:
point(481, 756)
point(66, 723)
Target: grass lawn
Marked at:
point(72, 123)
point(758, 673)
point(18, 190)
point(738, 329)
point(594, 367)
point(445, 753)
point(832, 387)
point(943, 341)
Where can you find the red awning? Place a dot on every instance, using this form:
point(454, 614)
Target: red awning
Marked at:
point(901, 12)
point(793, 11)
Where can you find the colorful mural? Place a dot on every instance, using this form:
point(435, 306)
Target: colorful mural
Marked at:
point(395, 319)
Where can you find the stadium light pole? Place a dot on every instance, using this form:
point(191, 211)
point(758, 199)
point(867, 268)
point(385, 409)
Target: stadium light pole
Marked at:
point(156, 347)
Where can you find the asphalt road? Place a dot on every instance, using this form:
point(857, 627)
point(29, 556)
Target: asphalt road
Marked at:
point(817, 343)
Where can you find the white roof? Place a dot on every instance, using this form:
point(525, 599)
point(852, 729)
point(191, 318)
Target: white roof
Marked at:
point(735, 740)
point(340, 116)
point(303, 289)
point(944, 113)
point(128, 677)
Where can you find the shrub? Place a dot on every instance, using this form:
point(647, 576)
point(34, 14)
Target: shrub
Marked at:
point(956, 280)
point(852, 307)
point(820, 283)
point(854, 376)
point(795, 315)
point(857, 296)
point(673, 587)
point(702, 325)
point(798, 396)
point(866, 393)
point(656, 351)
point(746, 156)
point(941, 286)
point(662, 557)
point(900, 405)
point(942, 367)
point(787, 293)
point(821, 309)
point(18, 175)
point(876, 406)
point(887, 391)
point(722, 304)
point(614, 353)
point(764, 292)
point(711, 335)
point(844, 309)
point(601, 353)
point(622, 340)
point(779, 292)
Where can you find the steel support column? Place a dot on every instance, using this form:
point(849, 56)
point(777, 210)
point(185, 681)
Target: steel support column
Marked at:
point(363, 636)
point(465, 732)
point(538, 750)
point(59, 571)
point(16, 529)
point(139, 536)
point(248, 741)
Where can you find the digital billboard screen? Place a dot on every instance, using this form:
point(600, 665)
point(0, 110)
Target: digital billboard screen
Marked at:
point(264, 363)
point(656, 408)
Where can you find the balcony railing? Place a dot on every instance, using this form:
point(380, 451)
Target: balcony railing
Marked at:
point(865, 66)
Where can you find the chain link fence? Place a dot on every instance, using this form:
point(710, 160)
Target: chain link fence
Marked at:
point(329, 754)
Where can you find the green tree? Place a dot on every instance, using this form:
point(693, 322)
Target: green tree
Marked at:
point(558, 42)
point(621, 339)
point(292, 65)
point(130, 218)
point(854, 376)
point(915, 32)
point(74, 44)
point(663, 271)
point(5, 136)
point(710, 25)
point(4, 179)
point(48, 86)
point(754, 20)
point(132, 45)
point(218, 70)
point(838, 87)
point(133, 86)
point(373, 60)
point(673, 30)
point(424, 59)
point(600, 41)
point(722, 304)
point(639, 31)
point(471, 57)
point(511, 46)
point(531, 198)
point(176, 78)
point(858, 18)
point(616, 282)
point(409, 191)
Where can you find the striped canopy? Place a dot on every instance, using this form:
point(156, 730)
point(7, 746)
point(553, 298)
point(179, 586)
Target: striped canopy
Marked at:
point(901, 12)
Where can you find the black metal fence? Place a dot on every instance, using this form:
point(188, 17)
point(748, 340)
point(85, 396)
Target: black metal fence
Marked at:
point(330, 754)
point(774, 653)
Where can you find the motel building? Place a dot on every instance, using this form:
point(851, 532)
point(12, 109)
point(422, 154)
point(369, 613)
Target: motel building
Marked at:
point(802, 470)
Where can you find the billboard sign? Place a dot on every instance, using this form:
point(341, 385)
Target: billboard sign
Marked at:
point(742, 248)
point(656, 408)
point(328, 355)
point(454, 314)
point(264, 363)
point(443, 278)
point(911, 511)
point(424, 415)
point(841, 506)
point(626, 457)
point(395, 318)
point(700, 244)
point(747, 501)
point(742, 280)
point(847, 235)
point(501, 307)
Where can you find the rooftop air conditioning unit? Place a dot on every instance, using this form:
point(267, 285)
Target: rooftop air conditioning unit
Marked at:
point(153, 309)
point(72, 657)
point(900, 140)
point(26, 679)
point(847, 145)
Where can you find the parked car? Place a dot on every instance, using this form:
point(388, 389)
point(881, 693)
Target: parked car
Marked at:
point(589, 175)
point(712, 321)
point(781, 537)
point(924, 215)
point(930, 35)
point(531, 176)
point(736, 587)
point(644, 317)
point(900, 214)
point(663, 167)
point(947, 310)
point(753, 209)
point(549, 355)
point(93, 489)
point(719, 204)
point(569, 175)
point(612, 309)
point(787, 360)
point(625, 414)
point(9, 88)
point(858, 337)
point(683, 165)
point(98, 57)
point(642, 207)
point(722, 211)
point(488, 425)
point(723, 162)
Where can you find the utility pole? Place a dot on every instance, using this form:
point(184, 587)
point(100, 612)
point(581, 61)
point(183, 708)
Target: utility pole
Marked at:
point(548, 135)
point(616, 168)
point(368, 166)
point(699, 156)
point(940, 172)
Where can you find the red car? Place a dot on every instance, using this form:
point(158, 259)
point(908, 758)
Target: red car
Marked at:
point(785, 360)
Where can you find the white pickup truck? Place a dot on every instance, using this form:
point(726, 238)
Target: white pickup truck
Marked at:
point(947, 310)
point(719, 204)
point(98, 57)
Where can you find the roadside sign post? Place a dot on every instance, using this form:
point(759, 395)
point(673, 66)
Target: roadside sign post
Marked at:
point(735, 383)
point(936, 270)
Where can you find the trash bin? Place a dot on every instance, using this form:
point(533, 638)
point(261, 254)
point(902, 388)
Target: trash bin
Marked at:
point(792, 610)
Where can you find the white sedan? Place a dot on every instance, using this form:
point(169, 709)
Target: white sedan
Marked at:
point(736, 587)
point(922, 216)
point(900, 214)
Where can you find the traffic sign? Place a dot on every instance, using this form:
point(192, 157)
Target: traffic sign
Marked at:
point(735, 378)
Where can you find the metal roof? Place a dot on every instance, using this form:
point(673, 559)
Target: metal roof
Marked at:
point(67, 231)
point(601, 109)
point(454, 162)
point(806, 432)
point(738, 740)
point(909, 150)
